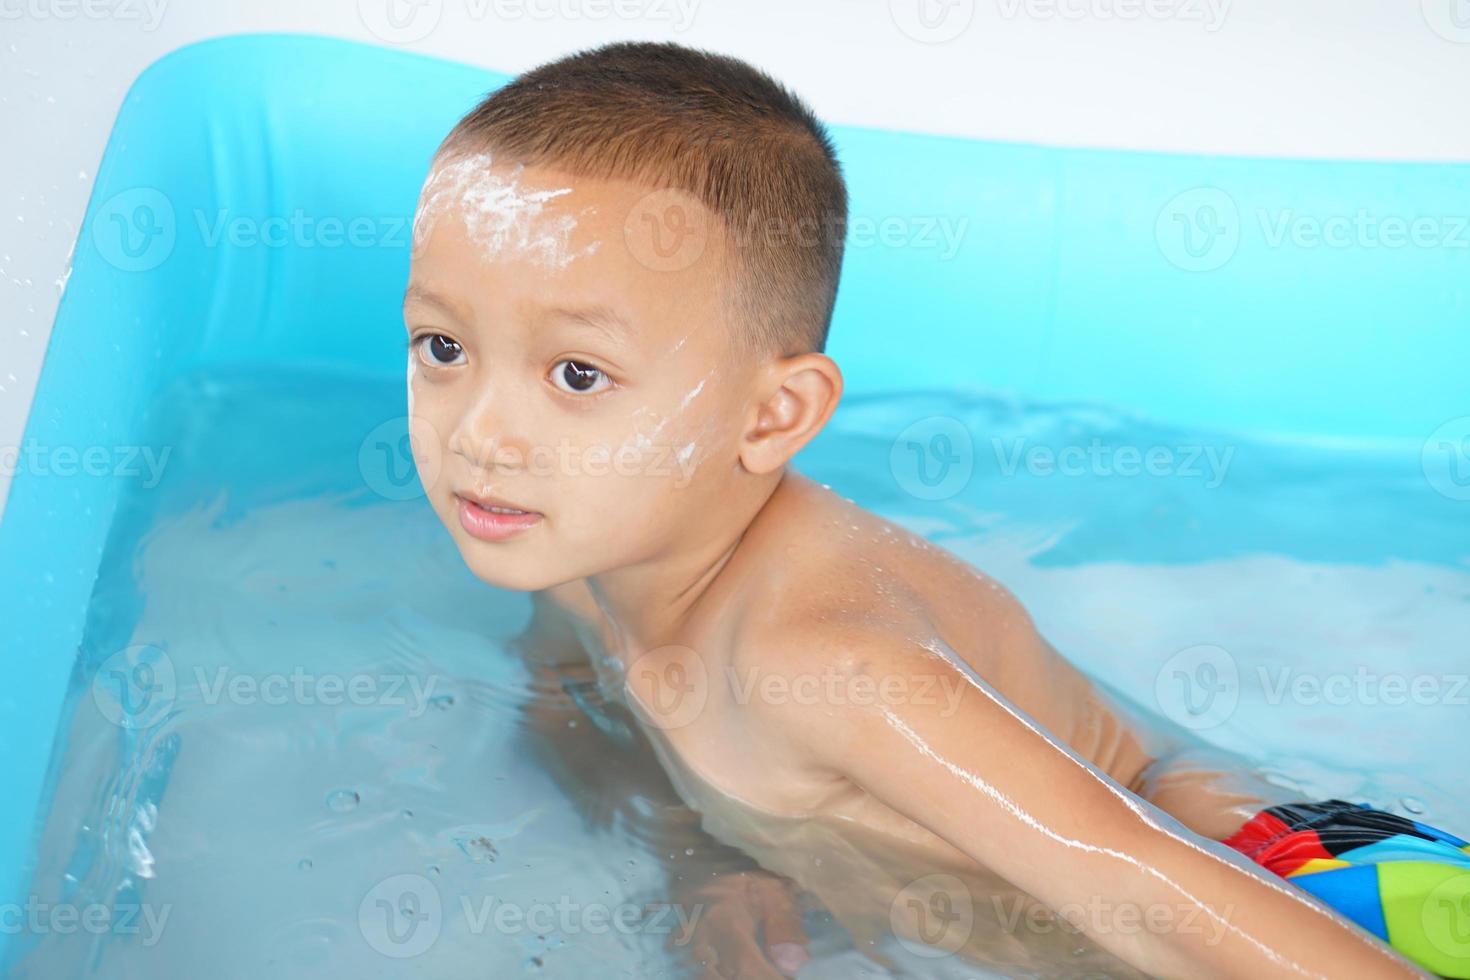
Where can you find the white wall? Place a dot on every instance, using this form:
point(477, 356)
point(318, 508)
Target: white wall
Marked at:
point(1384, 79)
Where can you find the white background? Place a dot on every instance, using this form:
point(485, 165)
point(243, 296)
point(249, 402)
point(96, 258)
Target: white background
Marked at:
point(1379, 79)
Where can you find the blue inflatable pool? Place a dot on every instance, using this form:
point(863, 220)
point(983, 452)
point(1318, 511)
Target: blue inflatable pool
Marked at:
point(256, 191)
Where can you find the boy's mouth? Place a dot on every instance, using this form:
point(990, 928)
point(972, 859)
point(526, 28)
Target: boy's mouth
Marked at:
point(493, 520)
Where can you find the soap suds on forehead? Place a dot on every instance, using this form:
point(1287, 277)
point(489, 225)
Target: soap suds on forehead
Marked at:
point(500, 215)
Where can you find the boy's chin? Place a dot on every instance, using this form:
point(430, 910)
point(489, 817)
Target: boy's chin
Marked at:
point(505, 571)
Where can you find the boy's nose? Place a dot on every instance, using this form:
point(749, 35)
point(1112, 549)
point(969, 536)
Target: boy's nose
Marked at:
point(488, 450)
point(483, 437)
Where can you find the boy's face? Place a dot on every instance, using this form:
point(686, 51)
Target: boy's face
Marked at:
point(570, 366)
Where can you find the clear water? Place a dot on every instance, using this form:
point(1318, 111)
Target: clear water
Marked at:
point(223, 774)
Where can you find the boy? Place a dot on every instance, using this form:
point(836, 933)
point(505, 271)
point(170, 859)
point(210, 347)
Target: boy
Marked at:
point(624, 270)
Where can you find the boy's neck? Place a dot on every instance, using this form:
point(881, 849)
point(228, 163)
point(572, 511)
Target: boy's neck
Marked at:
point(651, 604)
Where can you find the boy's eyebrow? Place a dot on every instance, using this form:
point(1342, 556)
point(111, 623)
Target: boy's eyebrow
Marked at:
point(604, 318)
point(597, 316)
point(415, 293)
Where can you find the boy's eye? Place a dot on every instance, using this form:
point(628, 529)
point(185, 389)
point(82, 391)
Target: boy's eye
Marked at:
point(578, 378)
point(437, 350)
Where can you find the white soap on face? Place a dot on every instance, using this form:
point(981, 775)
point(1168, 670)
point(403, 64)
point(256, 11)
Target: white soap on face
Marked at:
point(501, 215)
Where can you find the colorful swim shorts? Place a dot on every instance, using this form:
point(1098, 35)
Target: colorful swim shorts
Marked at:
point(1404, 881)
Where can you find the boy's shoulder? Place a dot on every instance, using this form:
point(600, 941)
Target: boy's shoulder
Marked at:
point(840, 593)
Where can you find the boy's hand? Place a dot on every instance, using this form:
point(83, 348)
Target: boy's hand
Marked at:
point(750, 928)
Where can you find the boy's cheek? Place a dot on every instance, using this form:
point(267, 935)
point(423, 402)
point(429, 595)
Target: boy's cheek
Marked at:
point(604, 507)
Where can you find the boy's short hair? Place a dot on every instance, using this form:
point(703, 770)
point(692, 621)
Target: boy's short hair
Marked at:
point(709, 125)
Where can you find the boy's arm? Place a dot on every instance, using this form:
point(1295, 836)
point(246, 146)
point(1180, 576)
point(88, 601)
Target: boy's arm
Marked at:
point(982, 776)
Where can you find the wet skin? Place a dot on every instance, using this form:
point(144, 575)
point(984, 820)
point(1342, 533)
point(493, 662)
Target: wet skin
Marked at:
point(749, 616)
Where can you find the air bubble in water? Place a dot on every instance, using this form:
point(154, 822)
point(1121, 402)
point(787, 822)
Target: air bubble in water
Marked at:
point(343, 800)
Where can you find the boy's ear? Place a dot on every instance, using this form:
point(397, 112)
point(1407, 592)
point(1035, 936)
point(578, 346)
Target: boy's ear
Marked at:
point(795, 398)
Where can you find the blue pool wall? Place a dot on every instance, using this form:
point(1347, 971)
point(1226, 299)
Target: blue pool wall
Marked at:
point(1190, 289)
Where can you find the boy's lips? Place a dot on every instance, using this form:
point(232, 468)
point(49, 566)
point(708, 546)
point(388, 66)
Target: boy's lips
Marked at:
point(493, 520)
